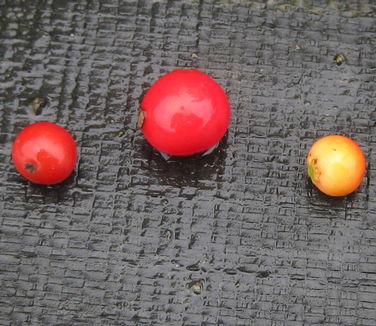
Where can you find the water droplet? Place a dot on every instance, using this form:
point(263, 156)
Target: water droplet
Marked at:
point(36, 104)
point(339, 58)
point(196, 287)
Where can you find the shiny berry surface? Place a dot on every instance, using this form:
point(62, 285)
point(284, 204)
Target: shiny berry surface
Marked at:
point(185, 112)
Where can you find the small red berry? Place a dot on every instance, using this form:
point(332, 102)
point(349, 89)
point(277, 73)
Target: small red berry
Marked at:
point(44, 153)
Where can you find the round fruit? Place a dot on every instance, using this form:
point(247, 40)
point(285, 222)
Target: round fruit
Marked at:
point(336, 165)
point(44, 153)
point(185, 112)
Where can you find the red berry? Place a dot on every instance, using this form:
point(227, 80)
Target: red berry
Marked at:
point(44, 153)
point(185, 112)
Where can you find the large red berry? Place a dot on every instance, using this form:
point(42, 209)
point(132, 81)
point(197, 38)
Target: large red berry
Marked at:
point(185, 112)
